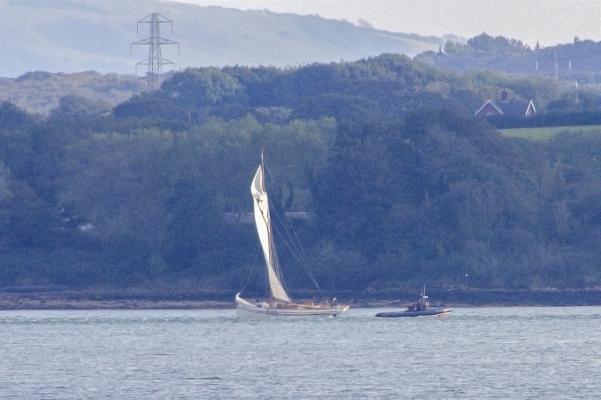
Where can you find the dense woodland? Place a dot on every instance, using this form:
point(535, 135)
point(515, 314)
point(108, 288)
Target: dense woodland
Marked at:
point(402, 183)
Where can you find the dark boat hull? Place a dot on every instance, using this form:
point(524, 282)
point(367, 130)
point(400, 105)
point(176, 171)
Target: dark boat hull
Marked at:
point(429, 312)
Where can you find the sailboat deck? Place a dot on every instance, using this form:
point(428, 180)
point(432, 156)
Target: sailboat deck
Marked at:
point(292, 309)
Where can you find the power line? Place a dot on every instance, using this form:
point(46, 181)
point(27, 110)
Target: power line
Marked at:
point(155, 60)
point(539, 65)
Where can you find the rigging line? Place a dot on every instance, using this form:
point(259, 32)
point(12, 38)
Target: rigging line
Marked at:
point(296, 246)
point(273, 208)
point(289, 236)
point(292, 240)
point(306, 267)
point(301, 256)
point(302, 249)
point(290, 246)
point(295, 254)
point(252, 270)
point(276, 263)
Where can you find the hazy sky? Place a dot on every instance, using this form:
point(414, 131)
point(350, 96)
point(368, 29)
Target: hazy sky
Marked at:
point(548, 21)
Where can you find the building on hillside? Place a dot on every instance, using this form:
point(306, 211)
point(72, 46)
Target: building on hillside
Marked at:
point(488, 109)
point(530, 110)
point(511, 107)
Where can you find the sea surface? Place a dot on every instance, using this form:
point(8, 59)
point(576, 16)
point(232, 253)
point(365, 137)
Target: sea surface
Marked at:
point(475, 353)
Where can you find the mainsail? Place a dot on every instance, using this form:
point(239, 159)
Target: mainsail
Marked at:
point(263, 222)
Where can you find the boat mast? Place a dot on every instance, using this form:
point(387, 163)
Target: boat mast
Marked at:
point(424, 299)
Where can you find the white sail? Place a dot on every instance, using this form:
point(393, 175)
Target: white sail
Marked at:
point(263, 223)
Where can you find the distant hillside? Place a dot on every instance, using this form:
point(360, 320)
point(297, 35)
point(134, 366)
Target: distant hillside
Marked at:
point(72, 35)
point(580, 60)
point(40, 92)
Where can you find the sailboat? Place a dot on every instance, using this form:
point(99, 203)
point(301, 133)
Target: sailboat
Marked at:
point(279, 301)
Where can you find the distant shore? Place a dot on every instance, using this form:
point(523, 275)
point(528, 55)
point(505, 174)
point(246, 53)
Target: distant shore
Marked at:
point(60, 299)
point(33, 303)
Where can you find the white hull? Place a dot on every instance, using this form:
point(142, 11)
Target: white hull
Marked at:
point(296, 310)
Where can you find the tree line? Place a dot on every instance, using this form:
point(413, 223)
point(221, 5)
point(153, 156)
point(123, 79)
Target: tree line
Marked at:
point(403, 183)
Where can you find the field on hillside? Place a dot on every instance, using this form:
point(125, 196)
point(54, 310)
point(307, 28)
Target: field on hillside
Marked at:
point(40, 92)
point(547, 132)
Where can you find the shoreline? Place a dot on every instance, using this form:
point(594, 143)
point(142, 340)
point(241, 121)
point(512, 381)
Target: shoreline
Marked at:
point(48, 299)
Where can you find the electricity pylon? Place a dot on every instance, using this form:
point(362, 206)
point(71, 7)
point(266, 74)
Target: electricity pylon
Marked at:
point(155, 61)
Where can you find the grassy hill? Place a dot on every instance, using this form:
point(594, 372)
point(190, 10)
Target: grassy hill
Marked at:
point(71, 35)
point(548, 132)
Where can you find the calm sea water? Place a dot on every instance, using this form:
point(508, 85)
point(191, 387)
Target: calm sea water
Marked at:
point(484, 353)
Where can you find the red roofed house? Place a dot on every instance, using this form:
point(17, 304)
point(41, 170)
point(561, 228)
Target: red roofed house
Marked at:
point(488, 109)
point(511, 107)
point(530, 110)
